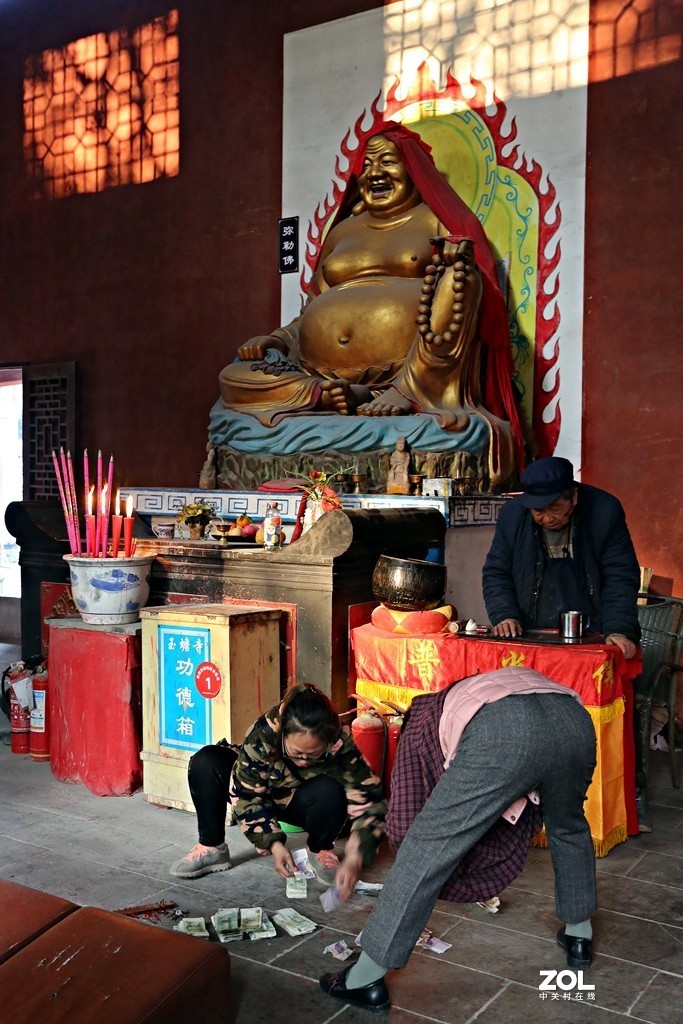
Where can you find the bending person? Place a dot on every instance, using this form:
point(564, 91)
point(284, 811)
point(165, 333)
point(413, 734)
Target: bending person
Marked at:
point(297, 765)
point(500, 855)
point(503, 735)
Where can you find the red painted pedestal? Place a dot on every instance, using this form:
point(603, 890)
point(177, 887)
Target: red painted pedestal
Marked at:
point(96, 706)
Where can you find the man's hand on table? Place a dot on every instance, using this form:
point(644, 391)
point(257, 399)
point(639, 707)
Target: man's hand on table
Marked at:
point(626, 646)
point(509, 627)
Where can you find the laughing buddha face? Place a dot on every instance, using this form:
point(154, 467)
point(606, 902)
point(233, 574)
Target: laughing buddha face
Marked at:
point(384, 183)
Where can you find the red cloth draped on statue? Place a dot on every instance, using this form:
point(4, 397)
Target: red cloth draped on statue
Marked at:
point(461, 222)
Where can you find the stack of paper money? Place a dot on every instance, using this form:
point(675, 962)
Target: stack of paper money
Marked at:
point(297, 888)
point(192, 926)
point(232, 924)
point(266, 931)
point(294, 923)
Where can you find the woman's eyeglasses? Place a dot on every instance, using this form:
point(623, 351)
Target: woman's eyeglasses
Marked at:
point(306, 758)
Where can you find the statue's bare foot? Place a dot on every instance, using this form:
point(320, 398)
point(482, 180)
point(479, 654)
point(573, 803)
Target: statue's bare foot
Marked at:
point(390, 403)
point(341, 397)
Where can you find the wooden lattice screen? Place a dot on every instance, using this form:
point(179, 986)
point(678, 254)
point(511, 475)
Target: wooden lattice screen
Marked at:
point(49, 421)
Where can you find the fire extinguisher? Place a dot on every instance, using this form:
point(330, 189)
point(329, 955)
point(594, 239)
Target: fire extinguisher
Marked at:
point(20, 711)
point(39, 746)
point(394, 727)
point(376, 734)
point(369, 733)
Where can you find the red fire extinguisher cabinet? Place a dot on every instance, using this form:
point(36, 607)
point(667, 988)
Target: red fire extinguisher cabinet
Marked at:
point(95, 705)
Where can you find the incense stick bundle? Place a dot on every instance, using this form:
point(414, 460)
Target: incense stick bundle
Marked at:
point(62, 498)
point(67, 495)
point(86, 492)
point(73, 502)
point(98, 513)
point(105, 525)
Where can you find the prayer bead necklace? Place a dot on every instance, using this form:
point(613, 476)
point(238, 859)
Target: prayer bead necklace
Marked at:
point(434, 273)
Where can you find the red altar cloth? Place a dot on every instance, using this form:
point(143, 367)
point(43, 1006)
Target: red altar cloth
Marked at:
point(396, 668)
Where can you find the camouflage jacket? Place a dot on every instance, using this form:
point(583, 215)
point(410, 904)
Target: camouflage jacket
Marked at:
point(262, 782)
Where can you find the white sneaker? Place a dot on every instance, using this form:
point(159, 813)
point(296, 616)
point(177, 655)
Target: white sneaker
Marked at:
point(202, 860)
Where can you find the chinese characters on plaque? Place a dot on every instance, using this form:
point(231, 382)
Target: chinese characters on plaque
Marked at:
point(184, 714)
point(288, 244)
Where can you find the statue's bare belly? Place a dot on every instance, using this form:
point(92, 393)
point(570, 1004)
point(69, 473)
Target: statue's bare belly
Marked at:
point(369, 321)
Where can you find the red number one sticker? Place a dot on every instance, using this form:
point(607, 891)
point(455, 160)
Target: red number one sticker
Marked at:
point(208, 679)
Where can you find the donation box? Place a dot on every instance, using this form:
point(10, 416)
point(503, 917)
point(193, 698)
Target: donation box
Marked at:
point(208, 672)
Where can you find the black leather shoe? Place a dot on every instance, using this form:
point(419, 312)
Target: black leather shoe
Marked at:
point(579, 951)
point(373, 997)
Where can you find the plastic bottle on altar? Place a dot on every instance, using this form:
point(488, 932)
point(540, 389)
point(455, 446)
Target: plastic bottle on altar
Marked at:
point(272, 525)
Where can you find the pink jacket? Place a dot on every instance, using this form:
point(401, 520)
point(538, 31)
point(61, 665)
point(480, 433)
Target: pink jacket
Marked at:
point(472, 693)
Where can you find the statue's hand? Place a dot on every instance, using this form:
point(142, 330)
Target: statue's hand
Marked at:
point(256, 348)
point(455, 252)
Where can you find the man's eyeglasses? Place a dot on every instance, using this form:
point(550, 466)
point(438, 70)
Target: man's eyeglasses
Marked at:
point(306, 758)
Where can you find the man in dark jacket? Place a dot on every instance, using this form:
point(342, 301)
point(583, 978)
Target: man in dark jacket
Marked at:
point(562, 546)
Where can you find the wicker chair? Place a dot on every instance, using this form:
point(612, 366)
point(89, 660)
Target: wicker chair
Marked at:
point(661, 622)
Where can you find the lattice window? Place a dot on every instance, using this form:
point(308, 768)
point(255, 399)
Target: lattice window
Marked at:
point(104, 110)
point(49, 421)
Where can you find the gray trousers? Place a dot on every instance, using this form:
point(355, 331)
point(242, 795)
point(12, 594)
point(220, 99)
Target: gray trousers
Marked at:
point(517, 744)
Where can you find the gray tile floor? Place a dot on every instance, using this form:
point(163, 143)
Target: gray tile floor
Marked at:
point(114, 852)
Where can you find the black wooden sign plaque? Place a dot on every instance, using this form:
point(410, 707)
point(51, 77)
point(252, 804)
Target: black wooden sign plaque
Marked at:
point(288, 241)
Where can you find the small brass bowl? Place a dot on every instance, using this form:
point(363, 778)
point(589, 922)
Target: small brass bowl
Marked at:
point(220, 532)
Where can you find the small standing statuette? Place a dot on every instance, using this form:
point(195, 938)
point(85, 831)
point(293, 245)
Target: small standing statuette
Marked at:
point(397, 480)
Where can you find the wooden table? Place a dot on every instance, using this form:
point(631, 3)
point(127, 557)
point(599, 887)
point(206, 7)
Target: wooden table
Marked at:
point(398, 667)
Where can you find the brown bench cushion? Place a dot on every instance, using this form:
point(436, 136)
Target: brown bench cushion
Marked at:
point(99, 966)
point(25, 914)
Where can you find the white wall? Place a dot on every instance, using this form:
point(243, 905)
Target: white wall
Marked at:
point(532, 53)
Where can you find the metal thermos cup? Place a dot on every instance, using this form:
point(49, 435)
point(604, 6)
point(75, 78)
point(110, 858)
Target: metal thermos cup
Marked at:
point(572, 625)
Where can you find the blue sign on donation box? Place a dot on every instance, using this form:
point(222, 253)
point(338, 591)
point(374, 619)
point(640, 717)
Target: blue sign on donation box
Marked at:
point(184, 715)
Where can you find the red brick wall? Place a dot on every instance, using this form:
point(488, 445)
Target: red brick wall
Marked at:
point(633, 383)
point(151, 288)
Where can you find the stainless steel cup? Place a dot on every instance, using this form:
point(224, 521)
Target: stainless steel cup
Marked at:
point(572, 625)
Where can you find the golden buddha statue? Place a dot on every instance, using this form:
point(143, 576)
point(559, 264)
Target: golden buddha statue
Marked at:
point(403, 297)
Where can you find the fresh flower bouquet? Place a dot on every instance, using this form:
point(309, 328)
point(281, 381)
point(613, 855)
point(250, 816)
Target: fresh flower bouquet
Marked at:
point(317, 487)
point(318, 497)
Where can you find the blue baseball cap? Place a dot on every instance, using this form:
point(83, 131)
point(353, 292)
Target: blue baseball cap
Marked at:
point(544, 481)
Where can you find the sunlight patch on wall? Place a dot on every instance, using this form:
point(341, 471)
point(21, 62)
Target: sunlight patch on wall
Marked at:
point(638, 35)
point(529, 48)
point(104, 110)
